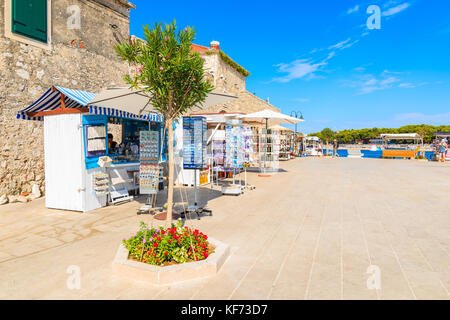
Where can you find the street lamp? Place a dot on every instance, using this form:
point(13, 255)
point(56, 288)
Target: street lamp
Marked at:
point(298, 115)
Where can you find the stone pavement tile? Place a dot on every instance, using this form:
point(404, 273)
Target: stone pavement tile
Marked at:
point(325, 282)
point(68, 237)
point(219, 288)
point(437, 258)
point(290, 286)
point(5, 256)
point(430, 292)
point(252, 290)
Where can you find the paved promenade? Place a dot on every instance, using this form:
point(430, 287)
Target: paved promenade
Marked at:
point(308, 233)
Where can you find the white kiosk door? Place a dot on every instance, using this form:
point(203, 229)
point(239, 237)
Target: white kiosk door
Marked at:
point(63, 149)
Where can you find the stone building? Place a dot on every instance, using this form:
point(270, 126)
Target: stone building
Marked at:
point(229, 77)
point(67, 43)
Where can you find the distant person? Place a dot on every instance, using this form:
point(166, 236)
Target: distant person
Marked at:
point(335, 148)
point(443, 147)
point(111, 143)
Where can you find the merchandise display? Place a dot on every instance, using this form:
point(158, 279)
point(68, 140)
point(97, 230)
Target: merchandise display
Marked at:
point(250, 139)
point(286, 145)
point(100, 183)
point(95, 140)
point(194, 143)
point(234, 147)
point(149, 170)
point(269, 147)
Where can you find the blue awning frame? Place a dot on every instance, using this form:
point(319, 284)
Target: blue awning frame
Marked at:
point(77, 99)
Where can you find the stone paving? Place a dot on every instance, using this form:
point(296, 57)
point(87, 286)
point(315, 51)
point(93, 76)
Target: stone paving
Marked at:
point(308, 233)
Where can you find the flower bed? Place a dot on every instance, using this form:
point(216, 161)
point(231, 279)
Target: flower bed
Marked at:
point(167, 246)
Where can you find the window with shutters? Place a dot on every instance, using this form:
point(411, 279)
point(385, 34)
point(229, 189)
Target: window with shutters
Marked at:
point(28, 21)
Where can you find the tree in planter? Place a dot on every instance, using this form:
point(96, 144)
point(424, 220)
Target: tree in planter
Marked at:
point(170, 75)
point(327, 134)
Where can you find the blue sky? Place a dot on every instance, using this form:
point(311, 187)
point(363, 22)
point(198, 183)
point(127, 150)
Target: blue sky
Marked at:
point(320, 58)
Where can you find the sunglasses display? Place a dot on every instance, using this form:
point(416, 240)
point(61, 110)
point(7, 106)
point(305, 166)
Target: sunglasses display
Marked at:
point(194, 143)
point(149, 170)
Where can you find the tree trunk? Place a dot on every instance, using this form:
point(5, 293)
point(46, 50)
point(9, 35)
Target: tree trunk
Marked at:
point(171, 172)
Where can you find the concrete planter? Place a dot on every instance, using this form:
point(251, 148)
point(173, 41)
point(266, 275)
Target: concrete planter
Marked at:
point(144, 272)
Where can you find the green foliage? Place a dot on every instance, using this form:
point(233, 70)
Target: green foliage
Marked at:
point(166, 69)
point(327, 134)
point(165, 245)
point(358, 135)
point(231, 62)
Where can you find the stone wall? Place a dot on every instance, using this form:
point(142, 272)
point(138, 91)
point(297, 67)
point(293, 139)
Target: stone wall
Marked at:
point(79, 59)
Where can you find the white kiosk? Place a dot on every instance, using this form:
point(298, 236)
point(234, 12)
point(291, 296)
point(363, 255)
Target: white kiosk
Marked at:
point(75, 145)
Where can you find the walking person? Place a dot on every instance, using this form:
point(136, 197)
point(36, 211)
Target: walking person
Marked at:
point(335, 148)
point(443, 147)
point(436, 149)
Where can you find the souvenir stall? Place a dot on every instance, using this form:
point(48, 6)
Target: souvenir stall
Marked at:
point(85, 167)
point(286, 142)
point(312, 146)
point(269, 140)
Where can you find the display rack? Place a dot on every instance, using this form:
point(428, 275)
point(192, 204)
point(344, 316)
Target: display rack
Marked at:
point(100, 183)
point(285, 146)
point(269, 148)
point(195, 156)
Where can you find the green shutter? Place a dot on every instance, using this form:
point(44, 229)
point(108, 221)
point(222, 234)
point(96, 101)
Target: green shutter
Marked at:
point(29, 18)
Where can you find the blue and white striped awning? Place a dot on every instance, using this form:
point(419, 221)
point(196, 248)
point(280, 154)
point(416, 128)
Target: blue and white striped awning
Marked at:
point(77, 99)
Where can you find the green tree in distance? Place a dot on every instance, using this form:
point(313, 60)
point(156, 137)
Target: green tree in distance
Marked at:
point(358, 135)
point(170, 75)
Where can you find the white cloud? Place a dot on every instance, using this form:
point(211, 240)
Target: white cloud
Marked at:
point(301, 68)
point(394, 10)
point(369, 83)
point(350, 44)
point(340, 45)
point(298, 69)
point(353, 10)
point(406, 85)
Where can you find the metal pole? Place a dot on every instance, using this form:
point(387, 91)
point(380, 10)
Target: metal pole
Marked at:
point(195, 188)
point(266, 142)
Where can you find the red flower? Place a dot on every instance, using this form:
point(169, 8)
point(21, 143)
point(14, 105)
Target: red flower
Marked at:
point(170, 241)
point(165, 253)
point(205, 237)
point(205, 254)
point(159, 239)
point(155, 244)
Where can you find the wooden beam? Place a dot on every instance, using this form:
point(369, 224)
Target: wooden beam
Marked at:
point(63, 102)
point(57, 111)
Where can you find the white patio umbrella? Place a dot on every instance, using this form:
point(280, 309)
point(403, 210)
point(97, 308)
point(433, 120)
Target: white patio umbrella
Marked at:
point(270, 118)
point(137, 102)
